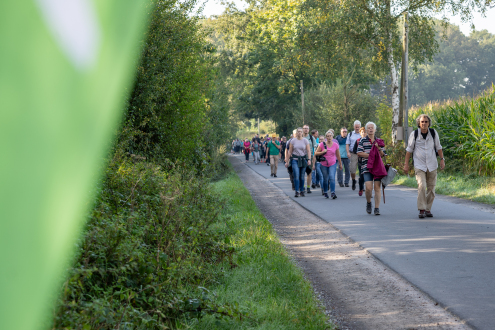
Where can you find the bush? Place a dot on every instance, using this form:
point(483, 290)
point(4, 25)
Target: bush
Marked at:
point(148, 252)
point(467, 131)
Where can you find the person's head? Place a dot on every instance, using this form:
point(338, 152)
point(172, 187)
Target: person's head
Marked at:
point(274, 136)
point(257, 135)
point(294, 132)
point(299, 132)
point(246, 140)
point(343, 132)
point(314, 132)
point(284, 138)
point(423, 121)
point(357, 126)
point(321, 137)
point(362, 132)
point(370, 128)
point(306, 129)
point(329, 135)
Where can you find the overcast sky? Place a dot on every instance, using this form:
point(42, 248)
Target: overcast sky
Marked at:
point(213, 7)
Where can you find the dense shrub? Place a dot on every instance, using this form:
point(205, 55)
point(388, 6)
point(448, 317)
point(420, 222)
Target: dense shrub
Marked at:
point(148, 252)
point(467, 131)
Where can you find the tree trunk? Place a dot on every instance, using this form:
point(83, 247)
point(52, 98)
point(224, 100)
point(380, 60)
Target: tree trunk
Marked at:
point(395, 91)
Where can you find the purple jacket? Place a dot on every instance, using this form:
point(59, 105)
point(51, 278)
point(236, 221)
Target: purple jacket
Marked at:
point(375, 163)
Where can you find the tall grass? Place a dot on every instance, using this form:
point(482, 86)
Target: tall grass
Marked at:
point(467, 131)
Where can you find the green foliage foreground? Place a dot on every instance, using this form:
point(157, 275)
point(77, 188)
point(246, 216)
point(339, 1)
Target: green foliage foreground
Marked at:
point(162, 249)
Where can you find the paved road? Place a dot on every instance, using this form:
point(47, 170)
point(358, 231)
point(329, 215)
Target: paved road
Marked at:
point(451, 257)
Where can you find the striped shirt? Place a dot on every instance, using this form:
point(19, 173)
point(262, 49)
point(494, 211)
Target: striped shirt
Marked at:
point(365, 145)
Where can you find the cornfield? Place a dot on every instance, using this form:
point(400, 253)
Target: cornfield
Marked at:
point(467, 130)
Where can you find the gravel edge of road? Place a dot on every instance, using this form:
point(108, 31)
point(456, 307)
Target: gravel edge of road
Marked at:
point(357, 289)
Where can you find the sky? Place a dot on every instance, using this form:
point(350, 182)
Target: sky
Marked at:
point(213, 7)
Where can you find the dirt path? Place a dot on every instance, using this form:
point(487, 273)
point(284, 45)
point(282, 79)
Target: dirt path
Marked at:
point(358, 291)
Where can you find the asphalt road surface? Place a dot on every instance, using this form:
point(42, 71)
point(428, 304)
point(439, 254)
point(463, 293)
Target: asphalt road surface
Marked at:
point(450, 257)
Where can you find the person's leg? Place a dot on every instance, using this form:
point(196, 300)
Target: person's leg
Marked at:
point(313, 179)
point(291, 177)
point(272, 165)
point(353, 168)
point(319, 175)
point(275, 158)
point(325, 172)
point(431, 181)
point(296, 174)
point(378, 195)
point(368, 183)
point(302, 173)
point(421, 178)
point(345, 165)
point(361, 181)
point(332, 170)
point(340, 176)
point(308, 178)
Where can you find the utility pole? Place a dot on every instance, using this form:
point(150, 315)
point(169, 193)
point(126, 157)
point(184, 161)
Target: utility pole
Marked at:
point(302, 100)
point(405, 64)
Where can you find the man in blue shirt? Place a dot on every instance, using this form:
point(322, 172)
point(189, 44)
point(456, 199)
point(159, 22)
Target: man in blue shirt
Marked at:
point(342, 138)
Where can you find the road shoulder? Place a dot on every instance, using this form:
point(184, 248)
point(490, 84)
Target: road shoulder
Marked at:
point(358, 291)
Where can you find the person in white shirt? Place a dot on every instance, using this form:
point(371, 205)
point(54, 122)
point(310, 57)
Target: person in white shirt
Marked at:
point(353, 158)
point(423, 144)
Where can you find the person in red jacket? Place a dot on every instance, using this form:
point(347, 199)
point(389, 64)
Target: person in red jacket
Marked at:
point(363, 151)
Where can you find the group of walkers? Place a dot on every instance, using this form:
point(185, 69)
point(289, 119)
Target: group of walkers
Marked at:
point(322, 160)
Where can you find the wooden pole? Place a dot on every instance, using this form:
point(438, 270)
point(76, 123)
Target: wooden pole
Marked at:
point(302, 100)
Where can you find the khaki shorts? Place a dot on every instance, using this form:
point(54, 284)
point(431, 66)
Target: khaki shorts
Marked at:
point(354, 163)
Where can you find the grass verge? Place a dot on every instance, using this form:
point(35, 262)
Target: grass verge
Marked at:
point(473, 187)
point(267, 288)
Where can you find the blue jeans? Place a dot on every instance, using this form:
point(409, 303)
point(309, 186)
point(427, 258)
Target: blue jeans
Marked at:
point(340, 172)
point(316, 175)
point(329, 175)
point(299, 174)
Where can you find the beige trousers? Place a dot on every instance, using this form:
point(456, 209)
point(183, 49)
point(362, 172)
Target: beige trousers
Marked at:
point(426, 188)
point(274, 163)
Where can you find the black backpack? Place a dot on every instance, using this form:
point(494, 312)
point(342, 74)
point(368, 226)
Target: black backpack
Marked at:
point(322, 158)
point(354, 149)
point(432, 132)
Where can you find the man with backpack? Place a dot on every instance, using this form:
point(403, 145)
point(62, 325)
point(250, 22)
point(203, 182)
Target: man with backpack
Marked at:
point(353, 157)
point(424, 145)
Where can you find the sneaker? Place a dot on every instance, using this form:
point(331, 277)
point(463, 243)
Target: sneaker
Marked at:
point(326, 195)
point(334, 196)
point(341, 184)
point(274, 175)
point(308, 190)
point(322, 193)
point(268, 164)
point(313, 186)
point(347, 185)
point(377, 211)
point(302, 194)
point(360, 193)
point(368, 208)
point(318, 185)
point(297, 194)
point(271, 174)
point(428, 214)
point(353, 184)
point(421, 214)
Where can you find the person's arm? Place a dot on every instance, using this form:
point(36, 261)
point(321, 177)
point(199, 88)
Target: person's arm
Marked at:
point(406, 163)
point(360, 150)
point(319, 152)
point(289, 154)
point(308, 153)
point(347, 145)
point(278, 146)
point(442, 160)
point(338, 157)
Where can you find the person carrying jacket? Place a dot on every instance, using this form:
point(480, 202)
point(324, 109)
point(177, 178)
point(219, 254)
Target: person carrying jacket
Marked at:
point(364, 149)
point(423, 144)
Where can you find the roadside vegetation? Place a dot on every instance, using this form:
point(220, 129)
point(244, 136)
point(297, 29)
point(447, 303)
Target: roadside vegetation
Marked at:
point(266, 287)
point(466, 128)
